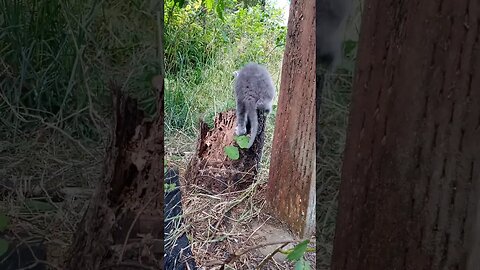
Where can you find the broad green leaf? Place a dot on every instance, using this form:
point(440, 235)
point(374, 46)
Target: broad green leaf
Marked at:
point(3, 246)
point(209, 4)
point(4, 221)
point(302, 265)
point(39, 206)
point(298, 251)
point(232, 152)
point(242, 141)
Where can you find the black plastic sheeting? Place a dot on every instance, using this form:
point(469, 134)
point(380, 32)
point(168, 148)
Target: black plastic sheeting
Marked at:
point(23, 256)
point(178, 255)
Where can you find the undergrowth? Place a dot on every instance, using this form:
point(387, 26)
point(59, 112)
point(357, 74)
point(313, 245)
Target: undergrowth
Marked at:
point(202, 51)
point(57, 58)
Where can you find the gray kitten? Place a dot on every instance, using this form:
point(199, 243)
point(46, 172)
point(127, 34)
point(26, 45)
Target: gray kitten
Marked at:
point(331, 16)
point(253, 90)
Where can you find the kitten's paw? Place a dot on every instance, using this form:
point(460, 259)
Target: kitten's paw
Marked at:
point(240, 130)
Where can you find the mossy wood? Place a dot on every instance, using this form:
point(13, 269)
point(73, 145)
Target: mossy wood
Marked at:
point(211, 169)
point(123, 226)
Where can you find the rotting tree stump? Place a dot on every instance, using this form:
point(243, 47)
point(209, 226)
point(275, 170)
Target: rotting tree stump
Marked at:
point(211, 169)
point(123, 226)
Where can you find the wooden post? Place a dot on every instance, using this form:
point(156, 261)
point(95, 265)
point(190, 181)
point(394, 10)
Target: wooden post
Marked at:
point(291, 185)
point(410, 190)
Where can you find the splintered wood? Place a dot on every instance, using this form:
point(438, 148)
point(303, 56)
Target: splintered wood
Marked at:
point(211, 169)
point(123, 226)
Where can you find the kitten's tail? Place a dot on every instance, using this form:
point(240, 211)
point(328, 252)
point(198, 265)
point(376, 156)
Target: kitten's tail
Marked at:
point(253, 118)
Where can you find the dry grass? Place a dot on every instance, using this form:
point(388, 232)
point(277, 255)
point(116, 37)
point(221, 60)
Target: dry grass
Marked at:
point(47, 181)
point(333, 124)
point(223, 224)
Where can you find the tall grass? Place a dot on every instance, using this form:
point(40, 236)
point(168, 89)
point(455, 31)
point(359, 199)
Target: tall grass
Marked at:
point(202, 52)
point(57, 57)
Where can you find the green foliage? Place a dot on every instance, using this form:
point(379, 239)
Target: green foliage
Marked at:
point(58, 56)
point(349, 56)
point(169, 187)
point(302, 264)
point(296, 255)
point(298, 251)
point(242, 141)
point(203, 48)
point(232, 152)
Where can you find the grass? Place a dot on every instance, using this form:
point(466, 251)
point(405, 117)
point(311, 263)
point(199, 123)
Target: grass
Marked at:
point(55, 109)
point(213, 93)
point(201, 54)
point(333, 125)
point(220, 223)
point(194, 93)
point(57, 57)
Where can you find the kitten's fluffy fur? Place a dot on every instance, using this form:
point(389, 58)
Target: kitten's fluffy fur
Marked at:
point(254, 90)
point(331, 16)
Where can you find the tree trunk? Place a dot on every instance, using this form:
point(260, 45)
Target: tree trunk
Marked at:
point(291, 185)
point(211, 169)
point(410, 190)
point(123, 226)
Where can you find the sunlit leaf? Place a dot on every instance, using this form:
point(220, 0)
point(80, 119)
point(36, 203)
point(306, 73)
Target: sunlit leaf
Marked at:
point(242, 141)
point(298, 251)
point(232, 152)
point(209, 4)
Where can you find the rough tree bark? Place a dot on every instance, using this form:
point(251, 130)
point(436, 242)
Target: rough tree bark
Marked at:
point(211, 169)
point(291, 185)
point(410, 190)
point(123, 226)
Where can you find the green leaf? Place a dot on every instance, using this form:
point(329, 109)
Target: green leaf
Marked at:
point(4, 221)
point(348, 47)
point(242, 141)
point(298, 251)
point(39, 206)
point(220, 8)
point(180, 3)
point(302, 265)
point(209, 4)
point(232, 152)
point(3, 246)
point(169, 187)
